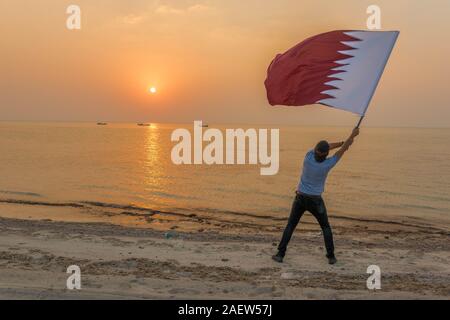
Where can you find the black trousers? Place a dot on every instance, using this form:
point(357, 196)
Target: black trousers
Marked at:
point(316, 206)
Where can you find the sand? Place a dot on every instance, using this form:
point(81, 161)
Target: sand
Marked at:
point(218, 260)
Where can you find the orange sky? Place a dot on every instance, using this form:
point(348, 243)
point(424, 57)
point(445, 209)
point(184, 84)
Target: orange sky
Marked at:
point(208, 60)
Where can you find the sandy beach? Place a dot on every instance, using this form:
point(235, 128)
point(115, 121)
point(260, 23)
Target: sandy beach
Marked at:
point(158, 259)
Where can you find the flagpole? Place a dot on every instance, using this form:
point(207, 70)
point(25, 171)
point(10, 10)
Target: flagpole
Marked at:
point(359, 122)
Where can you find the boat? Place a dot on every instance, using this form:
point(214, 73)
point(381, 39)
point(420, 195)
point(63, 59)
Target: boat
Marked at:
point(102, 124)
point(144, 124)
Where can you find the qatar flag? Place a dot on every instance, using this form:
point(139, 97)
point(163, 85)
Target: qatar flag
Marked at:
point(340, 69)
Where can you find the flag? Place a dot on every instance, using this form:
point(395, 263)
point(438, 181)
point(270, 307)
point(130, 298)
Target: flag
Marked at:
point(339, 69)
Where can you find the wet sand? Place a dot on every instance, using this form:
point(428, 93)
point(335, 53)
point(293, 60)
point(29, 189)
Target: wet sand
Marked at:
point(159, 255)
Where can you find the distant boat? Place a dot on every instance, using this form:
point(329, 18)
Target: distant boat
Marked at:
point(144, 124)
point(102, 124)
point(205, 125)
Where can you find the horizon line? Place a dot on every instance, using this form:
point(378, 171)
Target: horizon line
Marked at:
point(224, 123)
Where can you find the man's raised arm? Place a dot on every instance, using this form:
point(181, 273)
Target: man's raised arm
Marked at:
point(335, 145)
point(347, 143)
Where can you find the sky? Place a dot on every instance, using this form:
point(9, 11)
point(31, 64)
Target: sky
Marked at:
point(207, 60)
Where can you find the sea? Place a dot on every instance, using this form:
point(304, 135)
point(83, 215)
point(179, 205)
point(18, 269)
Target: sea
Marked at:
point(395, 174)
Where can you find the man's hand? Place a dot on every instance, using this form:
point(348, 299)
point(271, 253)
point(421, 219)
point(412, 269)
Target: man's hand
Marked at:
point(347, 143)
point(355, 132)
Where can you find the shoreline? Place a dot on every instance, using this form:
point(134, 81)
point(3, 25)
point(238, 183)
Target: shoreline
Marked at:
point(94, 211)
point(120, 262)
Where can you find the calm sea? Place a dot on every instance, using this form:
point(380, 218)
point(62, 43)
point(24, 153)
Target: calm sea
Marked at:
point(388, 173)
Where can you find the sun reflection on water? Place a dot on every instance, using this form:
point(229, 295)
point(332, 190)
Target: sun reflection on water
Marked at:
point(153, 166)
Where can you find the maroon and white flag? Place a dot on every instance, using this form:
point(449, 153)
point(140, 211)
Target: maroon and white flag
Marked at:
point(340, 69)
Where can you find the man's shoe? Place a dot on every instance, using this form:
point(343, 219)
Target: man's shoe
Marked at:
point(278, 258)
point(331, 259)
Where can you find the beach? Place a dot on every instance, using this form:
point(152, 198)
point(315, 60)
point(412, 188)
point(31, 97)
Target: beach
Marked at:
point(188, 257)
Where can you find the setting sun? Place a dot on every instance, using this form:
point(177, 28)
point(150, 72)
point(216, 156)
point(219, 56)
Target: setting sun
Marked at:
point(152, 90)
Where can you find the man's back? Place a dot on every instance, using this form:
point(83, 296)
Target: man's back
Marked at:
point(315, 173)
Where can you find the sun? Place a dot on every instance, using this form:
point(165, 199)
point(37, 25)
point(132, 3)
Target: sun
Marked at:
point(152, 90)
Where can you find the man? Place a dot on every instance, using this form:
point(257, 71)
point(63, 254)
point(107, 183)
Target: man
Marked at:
point(309, 193)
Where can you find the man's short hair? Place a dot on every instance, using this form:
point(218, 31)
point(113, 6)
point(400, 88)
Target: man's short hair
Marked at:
point(323, 146)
